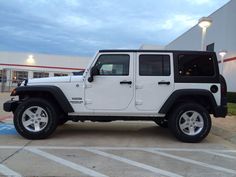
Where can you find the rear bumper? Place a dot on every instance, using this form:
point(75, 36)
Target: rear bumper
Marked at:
point(10, 105)
point(222, 110)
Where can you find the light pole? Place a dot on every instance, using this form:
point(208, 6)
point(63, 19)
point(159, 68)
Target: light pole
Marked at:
point(204, 23)
point(222, 54)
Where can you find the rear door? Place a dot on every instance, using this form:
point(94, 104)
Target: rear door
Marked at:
point(154, 80)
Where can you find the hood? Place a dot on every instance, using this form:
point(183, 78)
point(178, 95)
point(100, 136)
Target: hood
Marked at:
point(62, 79)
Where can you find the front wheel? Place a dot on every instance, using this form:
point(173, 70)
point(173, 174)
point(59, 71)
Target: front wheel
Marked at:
point(35, 118)
point(190, 122)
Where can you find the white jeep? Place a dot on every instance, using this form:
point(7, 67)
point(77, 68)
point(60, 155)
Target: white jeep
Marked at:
point(175, 89)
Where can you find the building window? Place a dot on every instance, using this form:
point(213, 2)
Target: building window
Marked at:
point(210, 47)
point(3, 76)
point(40, 74)
point(19, 76)
point(154, 65)
point(196, 65)
point(60, 74)
point(79, 73)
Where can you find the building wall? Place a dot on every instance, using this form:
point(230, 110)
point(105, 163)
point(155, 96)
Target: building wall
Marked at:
point(42, 61)
point(222, 33)
point(12, 64)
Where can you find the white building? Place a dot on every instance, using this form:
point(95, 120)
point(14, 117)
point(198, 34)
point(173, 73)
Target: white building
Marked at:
point(221, 35)
point(15, 67)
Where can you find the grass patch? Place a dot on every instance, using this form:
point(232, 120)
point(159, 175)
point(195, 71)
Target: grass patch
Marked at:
point(232, 109)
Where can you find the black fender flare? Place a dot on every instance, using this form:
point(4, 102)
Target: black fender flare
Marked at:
point(55, 91)
point(187, 92)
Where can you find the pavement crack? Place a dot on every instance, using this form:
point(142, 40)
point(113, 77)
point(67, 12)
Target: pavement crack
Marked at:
point(14, 153)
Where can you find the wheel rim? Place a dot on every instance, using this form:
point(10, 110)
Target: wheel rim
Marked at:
point(35, 119)
point(191, 123)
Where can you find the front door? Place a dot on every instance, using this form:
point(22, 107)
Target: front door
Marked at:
point(154, 80)
point(112, 88)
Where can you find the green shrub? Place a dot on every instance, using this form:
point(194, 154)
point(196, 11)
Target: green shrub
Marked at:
point(231, 109)
point(231, 97)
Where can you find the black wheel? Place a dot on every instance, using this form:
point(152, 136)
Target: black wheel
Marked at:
point(190, 122)
point(35, 118)
point(162, 123)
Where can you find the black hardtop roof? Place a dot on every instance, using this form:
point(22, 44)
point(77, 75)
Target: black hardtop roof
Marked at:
point(158, 51)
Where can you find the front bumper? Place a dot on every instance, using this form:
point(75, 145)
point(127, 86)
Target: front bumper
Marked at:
point(10, 105)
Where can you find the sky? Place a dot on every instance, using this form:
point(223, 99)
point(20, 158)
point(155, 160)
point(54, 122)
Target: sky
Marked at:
point(81, 27)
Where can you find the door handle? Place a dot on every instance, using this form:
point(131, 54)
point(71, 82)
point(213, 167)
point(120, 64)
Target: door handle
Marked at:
point(163, 83)
point(126, 82)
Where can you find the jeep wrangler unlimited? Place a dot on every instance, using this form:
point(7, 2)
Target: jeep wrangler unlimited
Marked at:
point(175, 89)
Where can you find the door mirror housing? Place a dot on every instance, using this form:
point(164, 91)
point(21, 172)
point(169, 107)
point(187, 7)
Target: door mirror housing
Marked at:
point(93, 72)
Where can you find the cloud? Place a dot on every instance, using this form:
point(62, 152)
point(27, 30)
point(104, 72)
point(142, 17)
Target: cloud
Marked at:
point(179, 22)
point(200, 2)
point(74, 21)
point(77, 27)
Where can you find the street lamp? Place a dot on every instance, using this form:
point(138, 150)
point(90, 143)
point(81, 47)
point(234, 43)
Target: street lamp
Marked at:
point(222, 54)
point(30, 60)
point(204, 23)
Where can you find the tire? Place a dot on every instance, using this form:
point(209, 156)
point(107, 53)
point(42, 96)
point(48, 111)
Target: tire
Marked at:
point(190, 122)
point(162, 123)
point(35, 118)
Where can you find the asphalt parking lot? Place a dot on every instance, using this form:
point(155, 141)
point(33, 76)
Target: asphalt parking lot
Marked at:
point(112, 149)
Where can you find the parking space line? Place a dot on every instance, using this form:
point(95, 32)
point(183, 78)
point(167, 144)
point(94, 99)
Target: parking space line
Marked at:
point(11, 147)
point(8, 172)
point(220, 154)
point(215, 167)
point(67, 163)
point(133, 163)
point(125, 148)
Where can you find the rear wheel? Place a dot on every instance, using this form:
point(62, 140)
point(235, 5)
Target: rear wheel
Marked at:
point(190, 122)
point(35, 118)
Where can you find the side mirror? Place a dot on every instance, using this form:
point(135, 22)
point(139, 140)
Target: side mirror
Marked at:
point(93, 72)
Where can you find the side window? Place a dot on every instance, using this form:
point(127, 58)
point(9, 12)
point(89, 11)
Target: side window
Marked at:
point(195, 65)
point(40, 75)
point(60, 74)
point(113, 65)
point(154, 65)
point(19, 76)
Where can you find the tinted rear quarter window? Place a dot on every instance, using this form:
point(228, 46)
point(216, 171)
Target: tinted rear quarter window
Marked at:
point(195, 65)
